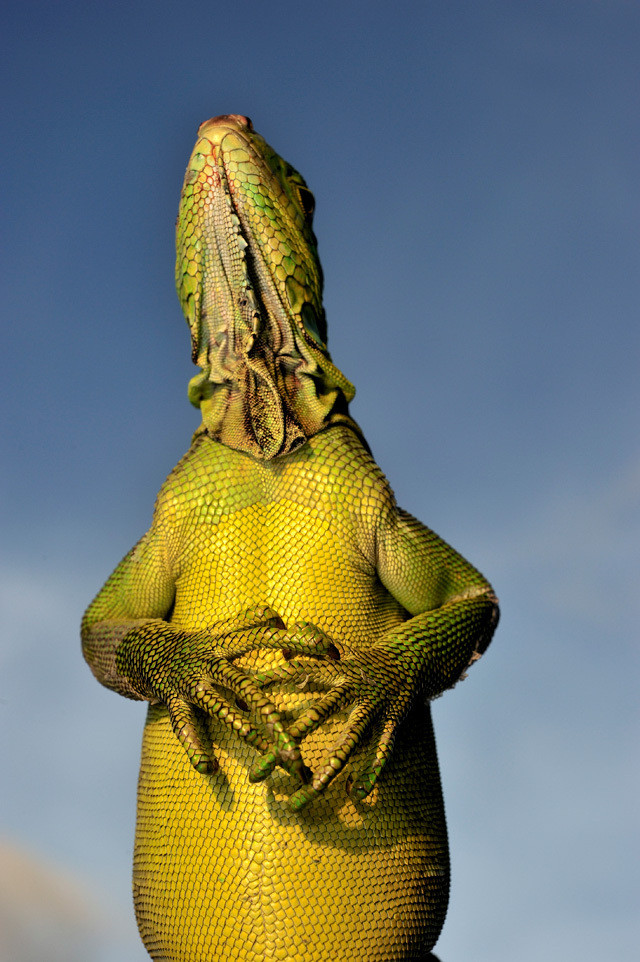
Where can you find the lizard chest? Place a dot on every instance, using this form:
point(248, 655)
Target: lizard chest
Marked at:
point(304, 561)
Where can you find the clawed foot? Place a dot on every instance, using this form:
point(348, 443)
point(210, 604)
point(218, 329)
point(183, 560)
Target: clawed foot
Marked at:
point(194, 673)
point(380, 693)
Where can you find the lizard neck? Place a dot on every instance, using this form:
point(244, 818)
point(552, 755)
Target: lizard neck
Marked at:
point(273, 404)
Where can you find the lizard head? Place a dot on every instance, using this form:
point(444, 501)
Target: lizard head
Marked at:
point(250, 284)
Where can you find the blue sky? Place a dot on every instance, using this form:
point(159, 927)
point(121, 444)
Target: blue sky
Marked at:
point(475, 172)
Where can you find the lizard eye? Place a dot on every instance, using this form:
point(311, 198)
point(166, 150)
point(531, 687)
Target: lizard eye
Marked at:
point(307, 202)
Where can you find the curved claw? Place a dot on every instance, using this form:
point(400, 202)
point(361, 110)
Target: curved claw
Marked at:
point(302, 797)
point(303, 673)
point(361, 719)
point(267, 763)
point(223, 672)
point(264, 615)
point(263, 677)
point(186, 731)
point(216, 706)
point(242, 636)
point(267, 715)
point(263, 767)
point(364, 782)
point(261, 616)
point(304, 638)
point(312, 717)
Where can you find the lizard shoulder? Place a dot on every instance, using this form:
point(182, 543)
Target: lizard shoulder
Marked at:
point(205, 476)
point(344, 460)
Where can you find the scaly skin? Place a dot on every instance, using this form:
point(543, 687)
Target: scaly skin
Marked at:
point(286, 621)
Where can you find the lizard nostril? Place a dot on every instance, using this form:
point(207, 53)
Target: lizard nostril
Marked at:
point(221, 118)
point(241, 119)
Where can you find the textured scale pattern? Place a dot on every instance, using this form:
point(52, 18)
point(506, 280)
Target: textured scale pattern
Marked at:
point(288, 625)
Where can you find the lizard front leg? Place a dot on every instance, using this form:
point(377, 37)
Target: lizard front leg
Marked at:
point(133, 649)
point(191, 671)
point(422, 657)
point(454, 616)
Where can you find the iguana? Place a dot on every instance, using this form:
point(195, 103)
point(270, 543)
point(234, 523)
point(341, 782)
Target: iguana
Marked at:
point(286, 621)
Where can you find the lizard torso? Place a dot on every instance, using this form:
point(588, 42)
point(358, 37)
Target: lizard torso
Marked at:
point(342, 879)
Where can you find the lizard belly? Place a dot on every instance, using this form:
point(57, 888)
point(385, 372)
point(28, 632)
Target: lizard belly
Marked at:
point(224, 872)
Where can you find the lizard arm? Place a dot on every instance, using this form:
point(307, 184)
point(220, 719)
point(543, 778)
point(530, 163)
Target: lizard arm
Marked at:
point(454, 613)
point(140, 591)
point(453, 607)
point(133, 649)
